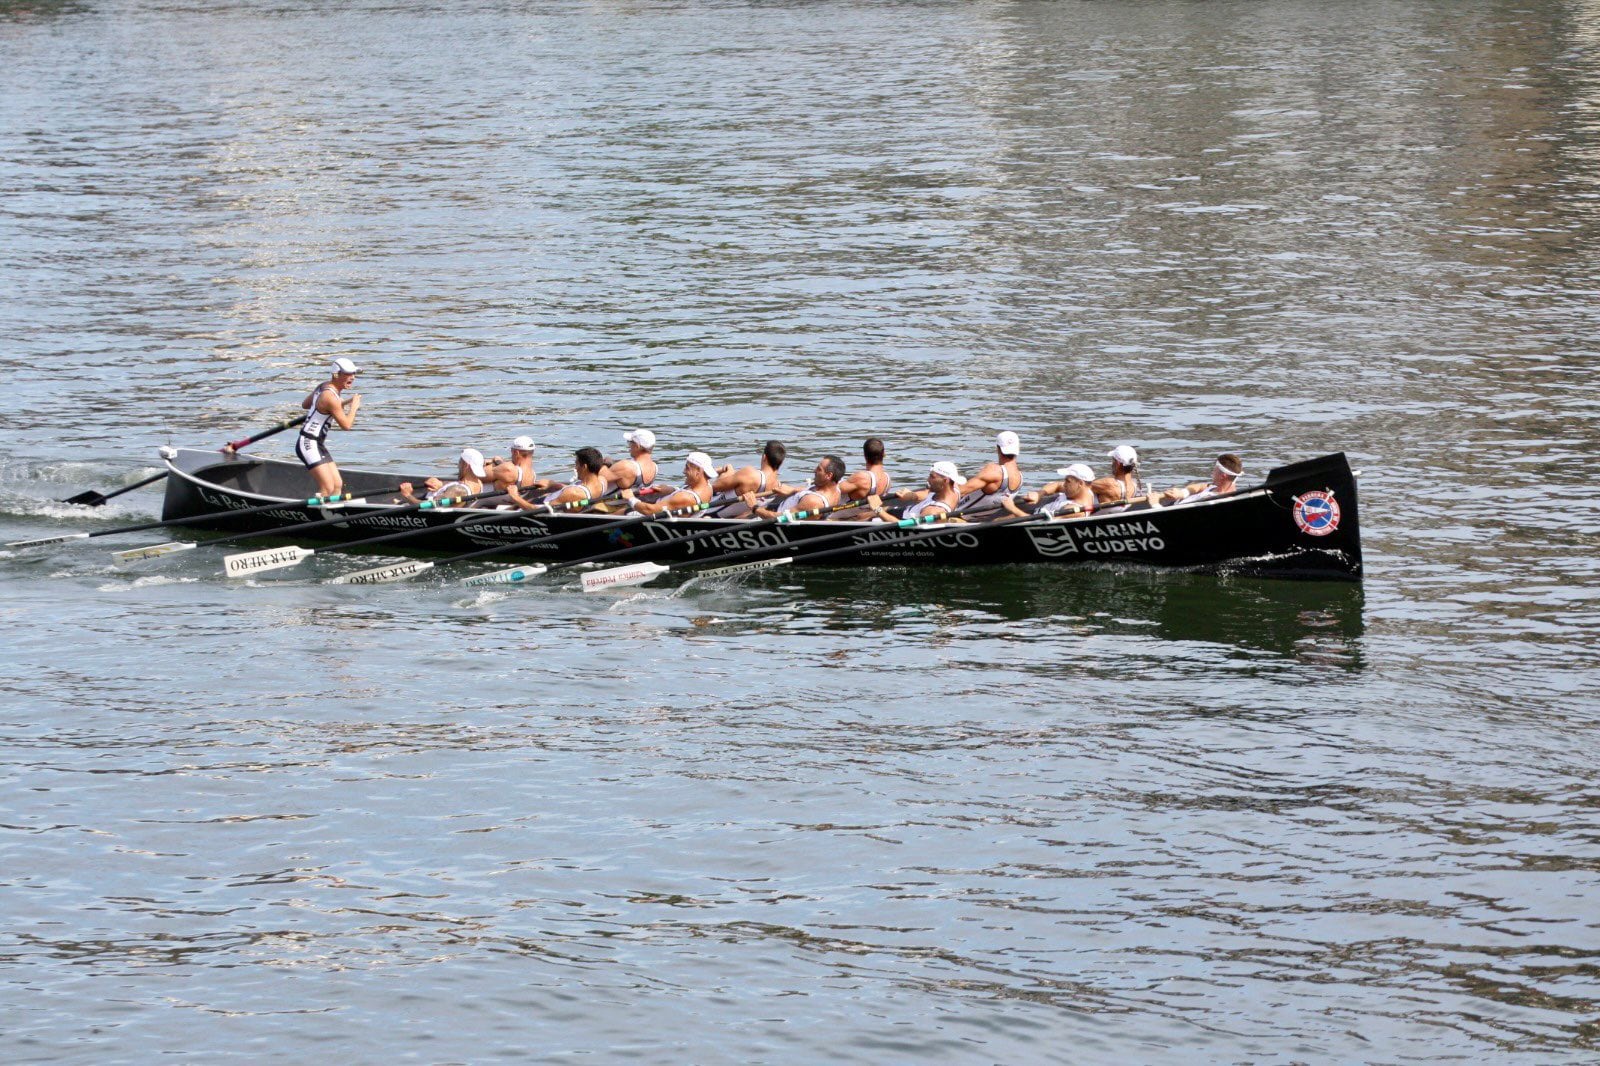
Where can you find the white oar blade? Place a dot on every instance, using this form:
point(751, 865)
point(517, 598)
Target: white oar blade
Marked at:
point(152, 551)
point(745, 568)
point(382, 575)
point(246, 563)
point(619, 576)
point(38, 541)
point(505, 577)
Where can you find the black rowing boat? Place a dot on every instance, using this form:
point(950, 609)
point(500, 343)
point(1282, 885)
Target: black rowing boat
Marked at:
point(1301, 522)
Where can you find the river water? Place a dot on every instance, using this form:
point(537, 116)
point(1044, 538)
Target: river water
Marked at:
point(1008, 816)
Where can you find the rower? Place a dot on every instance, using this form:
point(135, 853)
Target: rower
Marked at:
point(697, 474)
point(1122, 485)
point(1225, 474)
point(587, 487)
point(871, 480)
point(940, 499)
point(467, 482)
point(731, 485)
point(983, 493)
point(822, 492)
point(327, 408)
point(637, 473)
point(518, 470)
point(1073, 495)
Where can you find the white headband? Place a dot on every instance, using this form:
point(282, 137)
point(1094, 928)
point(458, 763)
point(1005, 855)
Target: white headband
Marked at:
point(1225, 472)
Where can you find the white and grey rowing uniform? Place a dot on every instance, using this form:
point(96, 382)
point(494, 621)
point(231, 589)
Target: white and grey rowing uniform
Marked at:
point(876, 489)
point(982, 504)
point(1206, 493)
point(923, 507)
point(792, 503)
point(1141, 490)
point(311, 445)
point(725, 500)
point(1061, 502)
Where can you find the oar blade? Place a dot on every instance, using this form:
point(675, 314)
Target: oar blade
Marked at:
point(745, 568)
point(87, 499)
point(512, 576)
point(620, 576)
point(39, 542)
point(151, 551)
point(382, 575)
point(244, 564)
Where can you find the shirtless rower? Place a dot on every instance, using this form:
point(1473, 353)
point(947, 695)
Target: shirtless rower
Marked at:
point(822, 492)
point(871, 480)
point(940, 499)
point(587, 487)
point(1122, 485)
point(697, 474)
point(1224, 478)
point(467, 482)
point(637, 473)
point(732, 485)
point(981, 494)
point(326, 409)
point(517, 470)
point(1070, 497)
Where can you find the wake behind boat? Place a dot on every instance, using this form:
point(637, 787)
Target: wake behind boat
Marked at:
point(1301, 522)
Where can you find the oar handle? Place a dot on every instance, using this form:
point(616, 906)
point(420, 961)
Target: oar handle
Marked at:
point(264, 434)
point(760, 523)
point(517, 545)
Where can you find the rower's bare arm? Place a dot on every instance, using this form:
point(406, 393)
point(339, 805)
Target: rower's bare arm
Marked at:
point(343, 413)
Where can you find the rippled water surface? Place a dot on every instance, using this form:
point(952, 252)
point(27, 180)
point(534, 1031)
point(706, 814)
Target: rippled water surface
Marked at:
point(831, 815)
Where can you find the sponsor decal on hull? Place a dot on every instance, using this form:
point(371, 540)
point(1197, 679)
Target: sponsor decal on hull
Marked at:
point(1053, 541)
point(721, 544)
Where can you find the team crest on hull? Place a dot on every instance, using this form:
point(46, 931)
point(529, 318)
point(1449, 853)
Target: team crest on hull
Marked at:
point(1052, 541)
point(1316, 513)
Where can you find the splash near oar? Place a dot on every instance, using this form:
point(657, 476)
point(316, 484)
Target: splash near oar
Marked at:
point(98, 499)
point(315, 501)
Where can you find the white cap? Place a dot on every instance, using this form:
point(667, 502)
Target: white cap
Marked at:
point(1080, 471)
point(522, 444)
point(345, 366)
point(700, 459)
point(1008, 443)
point(474, 460)
point(1124, 455)
point(642, 437)
point(947, 470)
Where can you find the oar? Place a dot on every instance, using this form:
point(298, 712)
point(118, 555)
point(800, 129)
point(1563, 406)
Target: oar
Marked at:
point(264, 434)
point(523, 573)
point(319, 523)
point(399, 571)
point(315, 501)
point(245, 564)
point(96, 499)
point(641, 572)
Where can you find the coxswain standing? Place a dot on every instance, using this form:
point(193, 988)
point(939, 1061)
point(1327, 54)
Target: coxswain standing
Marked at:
point(698, 471)
point(468, 480)
point(1225, 474)
point(327, 408)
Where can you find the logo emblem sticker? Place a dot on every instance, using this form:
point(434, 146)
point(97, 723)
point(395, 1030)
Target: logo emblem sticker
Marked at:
point(1316, 513)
